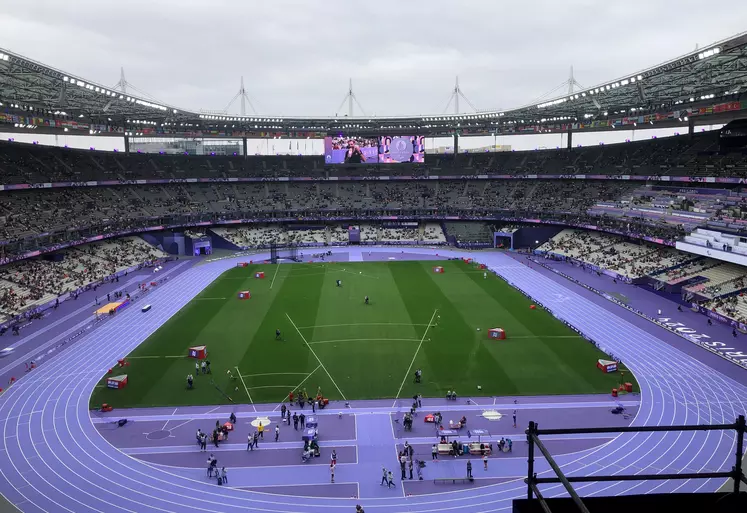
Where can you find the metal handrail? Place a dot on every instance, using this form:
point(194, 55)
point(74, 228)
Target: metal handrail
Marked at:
point(533, 439)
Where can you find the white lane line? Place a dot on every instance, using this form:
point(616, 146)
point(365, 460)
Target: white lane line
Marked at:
point(154, 356)
point(277, 266)
point(178, 425)
point(365, 340)
point(414, 356)
point(245, 388)
point(317, 358)
point(167, 422)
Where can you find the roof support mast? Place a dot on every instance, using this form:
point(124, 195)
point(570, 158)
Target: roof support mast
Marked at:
point(350, 98)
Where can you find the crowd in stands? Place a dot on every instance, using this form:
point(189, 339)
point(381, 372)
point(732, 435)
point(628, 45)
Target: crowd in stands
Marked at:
point(33, 282)
point(721, 279)
point(680, 155)
point(613, 253)
point(262, 236)
point(733, 307)
point(26, 213)
point(685, 272)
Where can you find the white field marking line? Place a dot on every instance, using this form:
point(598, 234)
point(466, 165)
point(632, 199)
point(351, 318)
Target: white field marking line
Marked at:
point(247, 390)
point(178, 425)
point(277, 266)
point(275, 374)
point(297, 386)
point(317, 358)
point(413, 357)
point(361, 324)
point(213, 409)
point(270, 386)
point(359, 274)
point(365, 340)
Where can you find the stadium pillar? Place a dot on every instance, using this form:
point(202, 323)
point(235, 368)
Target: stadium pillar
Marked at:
point(690, 128)
point(570, 137)
point(243, 143)
point(456, 144)
point(127, 144)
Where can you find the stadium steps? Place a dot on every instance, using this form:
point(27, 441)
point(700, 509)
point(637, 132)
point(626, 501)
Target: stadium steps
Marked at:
point(63, 164)
point(98, 165)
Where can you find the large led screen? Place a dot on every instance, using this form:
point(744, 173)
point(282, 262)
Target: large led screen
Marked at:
point(401, 148)
point(351, 150)
point(385, 149)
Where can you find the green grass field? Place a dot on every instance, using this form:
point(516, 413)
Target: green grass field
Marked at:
point(332, 340)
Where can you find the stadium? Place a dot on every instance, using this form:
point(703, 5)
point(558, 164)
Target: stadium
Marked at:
point(560, 329)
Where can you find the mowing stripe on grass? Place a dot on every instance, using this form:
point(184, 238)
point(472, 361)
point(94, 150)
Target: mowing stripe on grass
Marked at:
point(245, 388)
point(275, 374)
point(365, 340)
point(277, 267)
point(361, 324)
point(359, 274)
point(413, 357)
point(271, 386)
point(315, 356)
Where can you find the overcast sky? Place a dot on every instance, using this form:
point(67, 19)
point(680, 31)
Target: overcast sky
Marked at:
point(296, 56)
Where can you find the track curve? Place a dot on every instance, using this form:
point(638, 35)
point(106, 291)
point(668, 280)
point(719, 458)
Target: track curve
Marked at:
point(55, 460)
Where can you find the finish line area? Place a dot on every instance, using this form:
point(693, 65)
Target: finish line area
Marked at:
point(52, 442)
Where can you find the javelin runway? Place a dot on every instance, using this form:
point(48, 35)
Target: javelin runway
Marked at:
point(54, 459)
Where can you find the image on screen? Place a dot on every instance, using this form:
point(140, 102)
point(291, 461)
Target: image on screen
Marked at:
point(351, 150)
point(401, 148)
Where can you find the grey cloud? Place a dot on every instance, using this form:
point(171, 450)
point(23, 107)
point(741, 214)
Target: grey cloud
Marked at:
point(297, 56)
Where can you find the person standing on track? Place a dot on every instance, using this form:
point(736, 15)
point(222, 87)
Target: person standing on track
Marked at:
point(277, 432)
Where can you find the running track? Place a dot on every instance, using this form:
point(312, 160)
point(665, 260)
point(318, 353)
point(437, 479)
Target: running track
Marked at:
point(54, 460)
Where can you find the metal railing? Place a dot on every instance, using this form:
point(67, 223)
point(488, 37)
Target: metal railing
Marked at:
point(533, 439)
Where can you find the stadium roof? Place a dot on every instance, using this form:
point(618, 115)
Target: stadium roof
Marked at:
point(715, 73)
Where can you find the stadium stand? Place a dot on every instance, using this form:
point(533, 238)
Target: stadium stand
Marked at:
point(609, 252)
point(674, 156)
point(30, 283)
